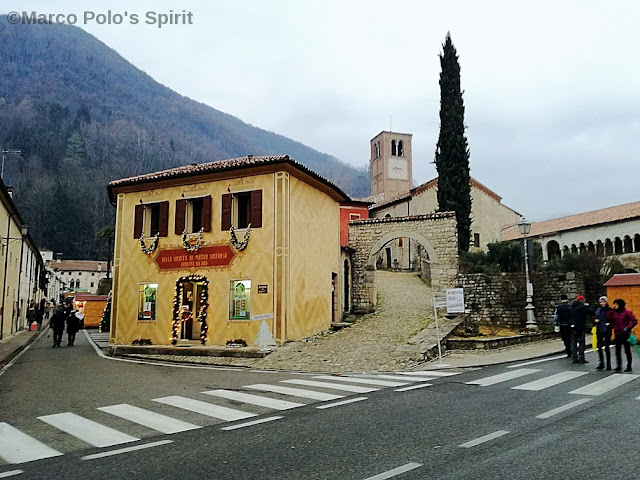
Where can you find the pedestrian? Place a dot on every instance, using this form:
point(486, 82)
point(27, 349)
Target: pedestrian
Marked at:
point(73, 325)
point(47, 309)
point(39, 316)
point(603, 332)
point(578, 320)
point(57, 325)
point(31, 315)
point(561, 318)
point(623, 321)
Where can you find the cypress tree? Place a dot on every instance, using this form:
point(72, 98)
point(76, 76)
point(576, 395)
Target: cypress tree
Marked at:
point(452, 150)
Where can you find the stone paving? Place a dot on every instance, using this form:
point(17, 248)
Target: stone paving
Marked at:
point(381, 341)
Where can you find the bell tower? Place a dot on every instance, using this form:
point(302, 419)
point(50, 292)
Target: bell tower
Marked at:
point(390, 164)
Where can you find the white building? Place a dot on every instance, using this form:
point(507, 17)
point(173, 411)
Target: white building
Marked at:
point(80, 275)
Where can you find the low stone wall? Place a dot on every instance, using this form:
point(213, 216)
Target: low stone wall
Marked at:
point(502, 298)
point(492, 343)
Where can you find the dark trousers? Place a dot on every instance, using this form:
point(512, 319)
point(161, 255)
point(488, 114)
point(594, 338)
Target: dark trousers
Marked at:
point(604, 340)
point(57, 338)
point(71, 337)
point(565, 334)
point(621, 339)
point(577, 343)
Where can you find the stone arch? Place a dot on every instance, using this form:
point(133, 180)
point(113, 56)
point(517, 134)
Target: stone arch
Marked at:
point(617, 246)
point(627, 244)
point(553, 250)
point(436, 233)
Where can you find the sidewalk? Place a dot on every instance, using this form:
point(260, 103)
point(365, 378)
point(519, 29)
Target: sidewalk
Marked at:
point(12, 345)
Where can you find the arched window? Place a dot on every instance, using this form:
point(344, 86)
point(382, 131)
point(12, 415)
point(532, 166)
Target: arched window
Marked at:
point(394, 150)
point(617, 246)
point(591, 248)
point(574, 249)
point(608, 247)
point(636, 243)
point(553, 250)
point(628, 244)
point(599, 248)
point(565, 250)
point(582, 248)
point(379, 152)
point(400, 149)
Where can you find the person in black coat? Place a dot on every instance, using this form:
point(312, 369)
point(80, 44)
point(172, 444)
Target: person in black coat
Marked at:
point(57, 325)
point(73, 325)
point(578, 319)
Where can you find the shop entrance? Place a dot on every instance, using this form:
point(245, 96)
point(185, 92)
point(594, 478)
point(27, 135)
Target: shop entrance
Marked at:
point(190, 309)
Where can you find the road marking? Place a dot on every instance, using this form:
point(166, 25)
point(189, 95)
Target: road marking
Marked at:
point(153, 420)
point(413, 387)
point(253, 422)
point(366, 381)
point(564, 408)
point(605, 385)
point(204, 408)
point(486, 438)
point(10, 473)
point(532, 362)
point(343, 402)
point(395, 471)
point(87, 430)
point(125, 450)
point(254, 399)
point(431, 373)
point(502, 377)
point(400, 378)
point(547, 382)
point(332, 386)
point(295, 392)
point(18, 447)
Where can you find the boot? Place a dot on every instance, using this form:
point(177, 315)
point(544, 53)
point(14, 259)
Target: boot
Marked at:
point(618, 368)
point(600, 366)
point(608, 365)
point(628, 369)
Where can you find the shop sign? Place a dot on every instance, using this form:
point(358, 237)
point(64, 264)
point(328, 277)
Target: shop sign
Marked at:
point(179, 258)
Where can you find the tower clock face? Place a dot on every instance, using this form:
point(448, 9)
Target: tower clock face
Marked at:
point(398, 169)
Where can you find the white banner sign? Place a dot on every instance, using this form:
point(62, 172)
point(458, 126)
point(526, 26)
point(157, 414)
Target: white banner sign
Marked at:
point(455, 300)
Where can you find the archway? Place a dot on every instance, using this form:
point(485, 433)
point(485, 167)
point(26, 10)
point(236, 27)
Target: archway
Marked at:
point(553, 250)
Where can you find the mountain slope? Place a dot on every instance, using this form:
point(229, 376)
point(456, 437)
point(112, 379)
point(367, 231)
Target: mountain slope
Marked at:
point(82, 116)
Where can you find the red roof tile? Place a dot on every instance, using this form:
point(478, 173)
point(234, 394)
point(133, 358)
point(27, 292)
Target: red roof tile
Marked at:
point(623, 280)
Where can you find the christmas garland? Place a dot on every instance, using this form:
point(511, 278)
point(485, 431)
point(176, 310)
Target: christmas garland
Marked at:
point(151, 248)
point(202, 313)
point(234, 241)
point(187, 242)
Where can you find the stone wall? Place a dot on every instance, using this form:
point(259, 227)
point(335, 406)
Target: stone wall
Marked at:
point(502, 298)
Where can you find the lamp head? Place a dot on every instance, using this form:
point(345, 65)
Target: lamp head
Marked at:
point(524, 226)
point(24, 229)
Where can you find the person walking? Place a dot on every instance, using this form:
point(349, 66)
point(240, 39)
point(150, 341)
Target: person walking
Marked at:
point(31, 315)
point(623, 321)
point(73, 325)
point(39, 317)
point(603, 332)
point(578, 319)
point(561, 318)
point(57, 325)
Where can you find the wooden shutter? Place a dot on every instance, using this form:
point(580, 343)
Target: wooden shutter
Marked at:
point(137, 221)
point(226, 212)
point(181, 210)
point(206, 213)
point(163, 226)
point(256, 209)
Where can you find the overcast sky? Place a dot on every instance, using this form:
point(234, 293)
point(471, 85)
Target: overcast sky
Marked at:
point(551, 88)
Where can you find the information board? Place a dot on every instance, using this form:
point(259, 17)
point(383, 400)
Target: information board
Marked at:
point(455, 300)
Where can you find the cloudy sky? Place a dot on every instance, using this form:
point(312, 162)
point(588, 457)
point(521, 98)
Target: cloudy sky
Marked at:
point(551, 88)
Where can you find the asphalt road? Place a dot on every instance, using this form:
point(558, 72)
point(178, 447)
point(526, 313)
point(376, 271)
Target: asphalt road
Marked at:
point(549, 419)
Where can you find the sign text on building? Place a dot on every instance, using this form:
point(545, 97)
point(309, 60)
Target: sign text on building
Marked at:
point(213, 256)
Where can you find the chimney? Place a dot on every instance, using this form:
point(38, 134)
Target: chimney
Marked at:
point(58, 257)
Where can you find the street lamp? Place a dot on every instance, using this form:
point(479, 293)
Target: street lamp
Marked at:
point(25, 231)
point(525, 228)
point(4, 152)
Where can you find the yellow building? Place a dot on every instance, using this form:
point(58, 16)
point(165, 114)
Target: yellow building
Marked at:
point(205, 252)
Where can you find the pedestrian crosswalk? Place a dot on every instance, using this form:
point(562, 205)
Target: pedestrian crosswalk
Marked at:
point(251, 404)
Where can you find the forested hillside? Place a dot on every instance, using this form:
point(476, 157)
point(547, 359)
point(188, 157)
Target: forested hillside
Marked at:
point(82, 116)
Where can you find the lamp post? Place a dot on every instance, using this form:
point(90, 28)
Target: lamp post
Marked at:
point(25, 231)
point(4, 152)
point(525, 228)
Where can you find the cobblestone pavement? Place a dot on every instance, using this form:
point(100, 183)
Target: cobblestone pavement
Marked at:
point(375, 342)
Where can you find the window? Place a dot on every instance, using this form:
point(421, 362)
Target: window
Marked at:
point(241, 209)
point(240, 300)
point(476, 240)
point(400, 149)
point(91, 284)
point(147, 301)
point(354, 216)
point(394, 150)
point(79, 273)
point(193, 214)
point(151, 219)
point(93, 274)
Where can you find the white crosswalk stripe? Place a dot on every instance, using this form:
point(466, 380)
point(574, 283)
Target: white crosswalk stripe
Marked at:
point(331, 386)
point(87, 430)
point(254, 399)
point(502, 377)
point(399, 378)
point(204, 408)
point(18, 447)
point(605, 385)
point(147, 418)
point(295, 392)
point(430, 373)
point(366, 381)
point(551, 381)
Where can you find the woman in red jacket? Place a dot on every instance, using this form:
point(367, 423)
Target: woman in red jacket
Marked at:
point(623, 321)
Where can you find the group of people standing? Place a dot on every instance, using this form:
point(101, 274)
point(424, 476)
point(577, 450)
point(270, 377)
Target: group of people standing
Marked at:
point(619, 320)
point(64, 315)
